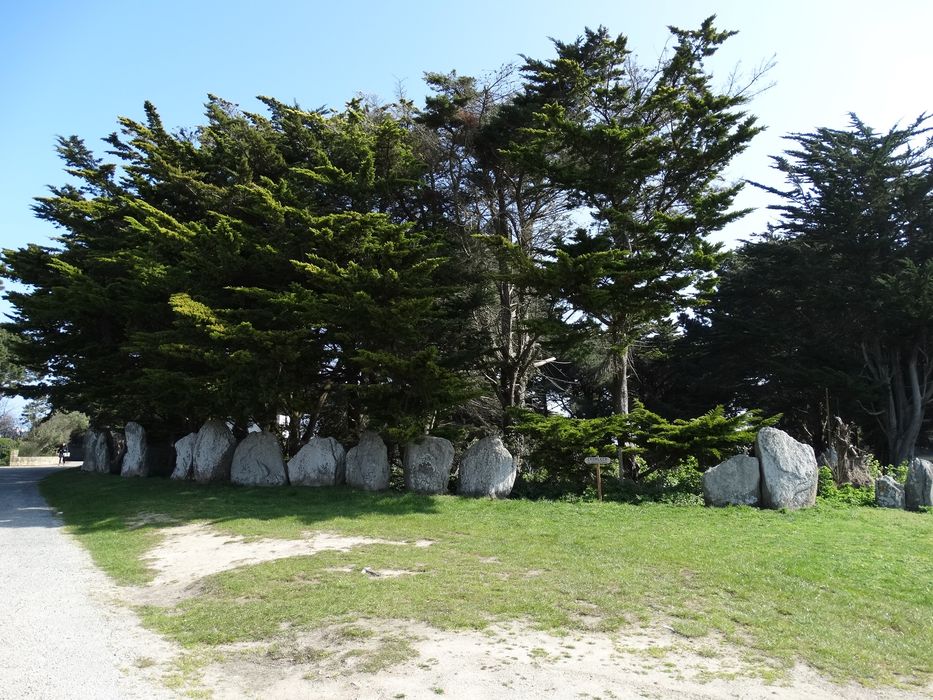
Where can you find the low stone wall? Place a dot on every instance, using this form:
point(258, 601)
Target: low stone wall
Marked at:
point(17, 461)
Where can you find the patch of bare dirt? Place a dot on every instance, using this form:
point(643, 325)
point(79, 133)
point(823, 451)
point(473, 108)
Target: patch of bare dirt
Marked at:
point(507, 662)
point(188, 553)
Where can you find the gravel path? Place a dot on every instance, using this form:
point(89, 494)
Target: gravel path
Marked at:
point(60, 636)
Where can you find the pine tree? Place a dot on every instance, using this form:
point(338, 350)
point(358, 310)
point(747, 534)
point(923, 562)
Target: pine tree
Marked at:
point(838, 296)
point(643, 151)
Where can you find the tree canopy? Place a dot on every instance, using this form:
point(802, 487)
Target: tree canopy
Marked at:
point(836, 297)
point(517, 242)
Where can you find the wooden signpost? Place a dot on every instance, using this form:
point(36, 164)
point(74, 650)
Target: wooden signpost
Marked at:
point(598, 461)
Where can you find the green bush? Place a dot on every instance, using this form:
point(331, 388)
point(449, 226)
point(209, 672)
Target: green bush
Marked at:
point(6, 444)
point(679, 486)
point(661, 450)
point(846, 495)
point(45, 437)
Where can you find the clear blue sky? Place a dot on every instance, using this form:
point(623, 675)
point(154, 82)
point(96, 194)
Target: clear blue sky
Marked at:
point(73, 67)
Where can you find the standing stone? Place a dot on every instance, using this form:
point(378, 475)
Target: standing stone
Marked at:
point(427, 465)
point(258, 461)
point(888, 493)
point(213, 452)
point(87, 448)
point(368, 464)
point(134, 461)
point(184, 457)
point(321, 462)
point(736, 481)
point(96, 452)
point(487, 469)
point(918, 489)
point(788, 470)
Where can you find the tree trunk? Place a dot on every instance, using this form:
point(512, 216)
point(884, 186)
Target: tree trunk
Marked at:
point(294, 434)
point(621, 406)
point(908, 384)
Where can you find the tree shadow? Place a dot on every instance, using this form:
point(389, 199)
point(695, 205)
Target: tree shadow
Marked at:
point(100, 502)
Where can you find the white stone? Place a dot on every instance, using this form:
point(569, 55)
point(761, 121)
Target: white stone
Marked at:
point(736, 481)
point(96, 452)
point(368, 464)
point(134, 459)
point(184, 457)
point(918, 489)
point(487, 469)
point(888, 493)
point(258, 461)
point(213, 452)
point(788, 470)
point(321, 462)
point(427, 465)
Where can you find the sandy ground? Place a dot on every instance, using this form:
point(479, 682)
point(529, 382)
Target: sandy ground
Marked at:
point(190, 552)
point(405, 660)
point(508, 662)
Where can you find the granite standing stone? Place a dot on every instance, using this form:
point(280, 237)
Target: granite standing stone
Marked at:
point(368, 464)
point(258, 461)
point(427, 465)
point(184, 457)
point(320, 462)
point(88, 463)
point(889, 493)
point(213, 452)
point(487, 469)
point(788, 470)
point(96, 452)
point(134, 461)
point(918, 489)
point(736, 481)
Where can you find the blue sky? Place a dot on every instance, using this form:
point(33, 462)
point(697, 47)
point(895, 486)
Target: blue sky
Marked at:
point(73, 67)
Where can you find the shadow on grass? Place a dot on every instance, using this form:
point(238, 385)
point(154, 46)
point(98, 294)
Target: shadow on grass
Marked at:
point(100, 502)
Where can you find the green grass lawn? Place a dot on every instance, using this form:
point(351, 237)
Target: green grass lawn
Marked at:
point(846, 590)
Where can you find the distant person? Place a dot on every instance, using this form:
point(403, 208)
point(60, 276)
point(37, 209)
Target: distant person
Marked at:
point(61, 453)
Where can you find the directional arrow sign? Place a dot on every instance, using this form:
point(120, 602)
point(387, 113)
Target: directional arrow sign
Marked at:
point(597, 460)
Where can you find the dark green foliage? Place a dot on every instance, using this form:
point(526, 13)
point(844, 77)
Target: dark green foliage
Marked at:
point(254, 267)
point(643, 150)
point(11, 374)
point(404, 270)
point(501, 213)
point(838, 296)
point(560, 444)
point(6, 445)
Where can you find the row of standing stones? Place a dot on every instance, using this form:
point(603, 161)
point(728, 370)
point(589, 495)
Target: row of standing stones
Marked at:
point(213, 454)
point(784, 475)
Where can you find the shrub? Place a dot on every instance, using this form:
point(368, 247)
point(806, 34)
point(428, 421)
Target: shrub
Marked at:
point(6, 445)
point(558, 445)
point(846, 495)
point(45, 437)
